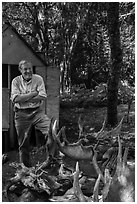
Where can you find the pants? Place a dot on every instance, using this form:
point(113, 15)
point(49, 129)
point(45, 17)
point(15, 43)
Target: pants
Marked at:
point(24, 119)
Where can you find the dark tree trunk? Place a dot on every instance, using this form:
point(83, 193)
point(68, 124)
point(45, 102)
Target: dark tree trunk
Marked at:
point(89, 78)
point(116, 60)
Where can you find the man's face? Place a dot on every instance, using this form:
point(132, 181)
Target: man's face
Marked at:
point(26, 71)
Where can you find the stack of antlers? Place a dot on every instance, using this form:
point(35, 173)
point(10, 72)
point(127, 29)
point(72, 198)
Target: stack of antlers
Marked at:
point(117, 188)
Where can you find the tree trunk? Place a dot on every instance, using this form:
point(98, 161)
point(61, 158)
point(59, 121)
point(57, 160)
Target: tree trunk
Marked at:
point(116, 60)
point(89, 78)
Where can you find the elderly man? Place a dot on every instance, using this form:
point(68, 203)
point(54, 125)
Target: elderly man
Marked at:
point(27, 94)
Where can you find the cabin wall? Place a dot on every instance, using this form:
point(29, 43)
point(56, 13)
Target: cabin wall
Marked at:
point(51, 77)
point(42, 71)
point(53, 92)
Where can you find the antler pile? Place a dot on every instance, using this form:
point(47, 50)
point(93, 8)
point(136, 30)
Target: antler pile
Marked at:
point(78, 150)
point(114, 186)
point(119, 188)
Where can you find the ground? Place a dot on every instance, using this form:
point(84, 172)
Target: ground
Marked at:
point(93, 120)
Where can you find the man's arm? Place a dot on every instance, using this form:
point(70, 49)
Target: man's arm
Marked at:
point(25, 97)
point(36, 99)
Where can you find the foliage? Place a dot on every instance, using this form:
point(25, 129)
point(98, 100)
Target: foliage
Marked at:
point(127, 29)
point(82, 97)
point(74, 36)
point(126, 91)
point(91, 54)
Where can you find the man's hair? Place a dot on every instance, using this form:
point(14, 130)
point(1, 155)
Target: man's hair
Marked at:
point(23, 62)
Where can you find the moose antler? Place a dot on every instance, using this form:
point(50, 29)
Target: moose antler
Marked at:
point(112, 133)
point(108, 179)
point(123, 180)
point(98, 134)
point(51, 143)
point(119, 157)
point(112, 185)
point(120, 187)
point(76, 151)
point(78, 192)
point(96, 188)
point(54, 128)
point(76, 187)
point(125, 157)
point(95, 164)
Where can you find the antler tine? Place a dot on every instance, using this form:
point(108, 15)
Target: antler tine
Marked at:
point(120, 124)
point(108, 180)
point(118, 127)
point(119, 157)
point(77, 190)
point(104, 123)
point(59, 134)
point(122, 120)
point(96, 188)
point(102, 129)
point(55, 127)
point(77, 167)
point(95, 164)
point(96, 145)
point(125, 157)
point(107, 175)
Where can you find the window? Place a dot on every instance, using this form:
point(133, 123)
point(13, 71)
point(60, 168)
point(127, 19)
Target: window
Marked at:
point(4, 76)
point(14, 72)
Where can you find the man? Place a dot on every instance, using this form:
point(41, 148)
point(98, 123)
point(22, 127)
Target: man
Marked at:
point(27, 94)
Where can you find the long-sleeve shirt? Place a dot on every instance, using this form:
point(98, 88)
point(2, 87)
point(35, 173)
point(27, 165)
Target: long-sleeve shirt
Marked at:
point(20, 86)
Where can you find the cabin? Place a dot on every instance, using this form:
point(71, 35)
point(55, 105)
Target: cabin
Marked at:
point(14, 49)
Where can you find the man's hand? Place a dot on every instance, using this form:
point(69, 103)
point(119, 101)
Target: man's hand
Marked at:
point(34, 93)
